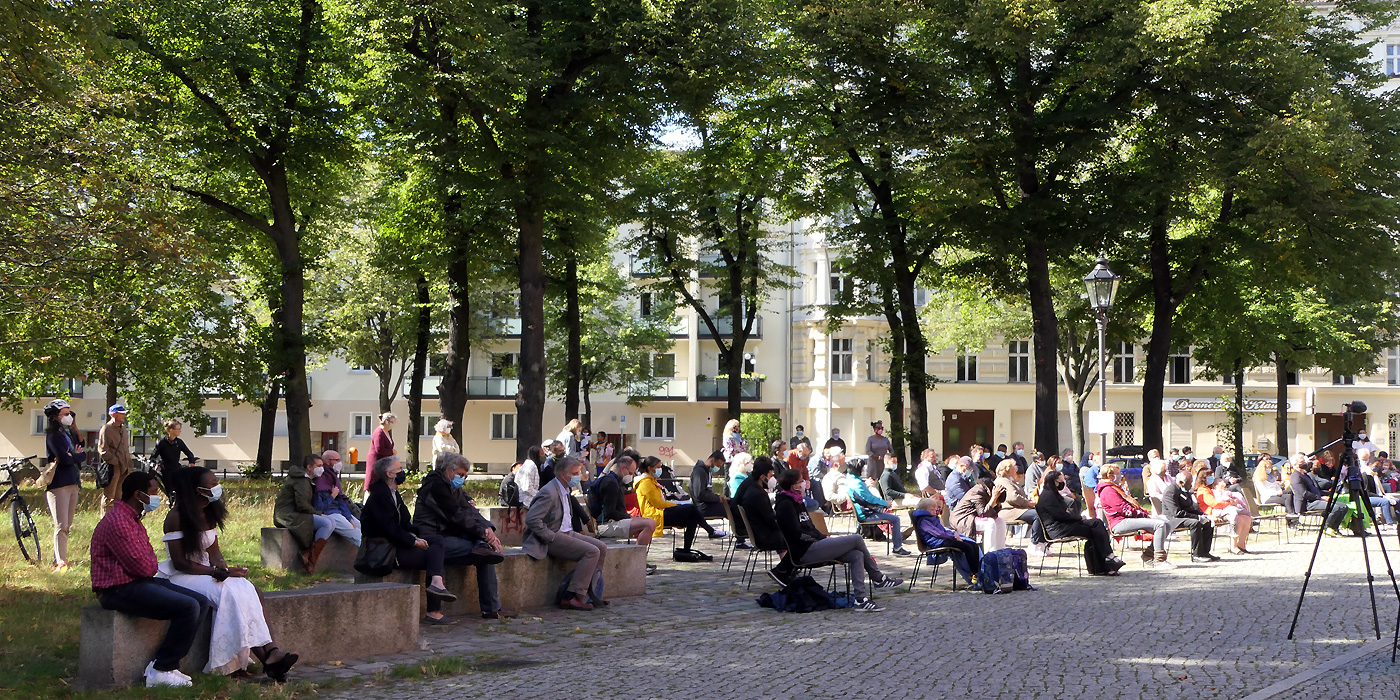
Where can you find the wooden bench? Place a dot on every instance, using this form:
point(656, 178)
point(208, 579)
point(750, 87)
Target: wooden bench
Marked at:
point(324, 623)
point(524, 583)
point(280, 552)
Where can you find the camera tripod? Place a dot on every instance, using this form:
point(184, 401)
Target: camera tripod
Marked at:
point(1350, 475)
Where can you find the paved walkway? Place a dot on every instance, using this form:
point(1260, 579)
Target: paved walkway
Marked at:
point(1200, 631)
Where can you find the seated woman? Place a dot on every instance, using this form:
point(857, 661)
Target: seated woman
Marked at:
point(739, 470)
point(386, 517)
point(667, 514)
point(1268, 482)
point(1220, 503)
point(1126, 516)
point(196, 563)
point(979, 510)
point(1156, 483)
point(295, 511)
point(1060, 522)
point(332, 502)
point(1018, 505)
point(929, 529)
point(871, 508)
point(809, 546)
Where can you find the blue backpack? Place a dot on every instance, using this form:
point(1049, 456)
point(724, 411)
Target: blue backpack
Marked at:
point(1004, 571)
point(595, 592)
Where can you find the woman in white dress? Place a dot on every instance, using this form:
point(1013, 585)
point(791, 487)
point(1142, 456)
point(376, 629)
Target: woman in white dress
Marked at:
point(443, 440)
point(239, 630)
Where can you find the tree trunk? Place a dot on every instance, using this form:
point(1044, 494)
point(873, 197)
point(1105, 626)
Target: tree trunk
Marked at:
point(289, 343)
point(1045, 337)
point(914, 361)
point(1160, 343)
point(1237, 466)
point(573, 368)
point(529, 402)
point(420, 371)
point(1076, 421)
point(113, 380)
point(268, 425)
point(587, 390)
point(894, 405)
point(1281, 413)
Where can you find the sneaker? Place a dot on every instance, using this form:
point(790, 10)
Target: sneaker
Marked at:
point(743, 545)
point(1331, 532)
point(441, 593)
point(1042, 549)
point(889, 582)
point(1201, 560)
point(780, 577)
point(167, 678)
point(651, 569)
point(867, 605)
point(901, 551)
point(718, 535)
point(1162, 565)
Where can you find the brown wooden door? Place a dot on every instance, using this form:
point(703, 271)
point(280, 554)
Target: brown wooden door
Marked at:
point(962, 428)
point(330, 441)
point(1328, 427)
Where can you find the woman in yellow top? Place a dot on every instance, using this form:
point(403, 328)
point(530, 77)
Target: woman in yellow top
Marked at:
point(667, 514)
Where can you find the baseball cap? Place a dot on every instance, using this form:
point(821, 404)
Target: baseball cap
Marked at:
point(116, 408)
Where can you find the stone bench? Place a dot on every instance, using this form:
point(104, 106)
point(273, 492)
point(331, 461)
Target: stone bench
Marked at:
point(509, 522)
point(280, 552)
point(324, 623)
point(524, 583)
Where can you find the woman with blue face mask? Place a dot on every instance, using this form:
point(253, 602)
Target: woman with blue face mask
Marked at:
point(667, 514)
point(1218, 502)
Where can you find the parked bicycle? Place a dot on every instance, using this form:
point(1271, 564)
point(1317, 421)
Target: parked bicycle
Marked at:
point(25, 531)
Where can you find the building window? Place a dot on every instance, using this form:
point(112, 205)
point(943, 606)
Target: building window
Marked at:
point(437, 364)
point(361, 369)
point(1124, 429)
point(920, 296)
point(967, 367)
point(1123, 364)
point(840, 286)
point(37, 422)
point(1291, 377)
point(1179, 367)
point(1019, 361)
point(217, 425)
point(361, 425)
point(429, 422)
point(658, 427)
point(502, 426)
point(503, 364)
point(646, 304)
point(842, 357)
point(1343, 379)
point(1392, 366)
point(663, 364)
point(1392, 59)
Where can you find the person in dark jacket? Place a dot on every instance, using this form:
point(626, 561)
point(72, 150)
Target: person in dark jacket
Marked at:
point(702, 492)
point(63, 447)
point(295, 511)
point(1180, 508)
point(386, 517)
point(891, 486)
point(1308, 498)
point(1059, 522)
point(752, 497)
point(809, 546)
point(166, 453)
point(444, 509)
point(608, 505)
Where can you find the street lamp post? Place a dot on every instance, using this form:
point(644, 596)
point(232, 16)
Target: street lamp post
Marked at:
point(1102, 285)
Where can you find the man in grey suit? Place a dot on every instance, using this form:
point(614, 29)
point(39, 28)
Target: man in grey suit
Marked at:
point(549, 532)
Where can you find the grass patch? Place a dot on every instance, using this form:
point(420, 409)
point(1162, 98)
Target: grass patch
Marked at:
point(433, 667)
point(40, 611)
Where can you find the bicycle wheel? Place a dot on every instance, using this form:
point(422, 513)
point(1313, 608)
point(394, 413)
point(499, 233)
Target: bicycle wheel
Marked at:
point(25, 532)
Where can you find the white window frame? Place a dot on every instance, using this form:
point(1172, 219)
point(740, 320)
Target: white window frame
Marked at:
point(213, 416)
point(369, 422)
point(429, 420)
point(1392, 366)
point(1343, 379)
point(1172, 360)
point(494, 368)
point(1018, 362)
point(967, 367)
point(359, 369)
point(658, 426)
point(499, 424)
point(1392, 60)
point(838, 285)
point(843, 359)
point(38, 422)
point(1124, 363)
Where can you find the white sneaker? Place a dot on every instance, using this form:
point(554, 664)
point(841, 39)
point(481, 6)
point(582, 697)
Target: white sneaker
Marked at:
point(151, 670)
point(173, 679)
point(1042, 549)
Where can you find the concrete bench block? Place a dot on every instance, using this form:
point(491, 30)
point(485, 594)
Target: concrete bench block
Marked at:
point(509, 522)
point(280, 552)
point(524, 583)
point(323, 623)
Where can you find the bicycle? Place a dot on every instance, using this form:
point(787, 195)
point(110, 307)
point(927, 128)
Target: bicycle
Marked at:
point(19, 511)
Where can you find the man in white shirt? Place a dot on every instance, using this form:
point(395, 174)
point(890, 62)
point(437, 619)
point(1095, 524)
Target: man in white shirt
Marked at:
point(926, 474)
point(549, 531)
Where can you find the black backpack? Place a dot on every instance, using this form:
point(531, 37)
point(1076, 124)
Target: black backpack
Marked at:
point(509, 494)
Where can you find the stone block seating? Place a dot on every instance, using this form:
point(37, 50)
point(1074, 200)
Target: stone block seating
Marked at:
point(509, 522)
point(280, 552)
point(323, 623)
point(525, 583)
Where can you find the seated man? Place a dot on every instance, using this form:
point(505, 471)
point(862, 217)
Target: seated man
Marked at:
point(702, 492)
point(1179, 507)
point(1308, 498)
point(871, 508)
point(609, 507)
point(892, 487)
point(926, 475)
point(124, 579)
point(549, 531)
point(444, 509)
point(929, 529)
point(960, 481)
point(809, 546)
point(332, 502)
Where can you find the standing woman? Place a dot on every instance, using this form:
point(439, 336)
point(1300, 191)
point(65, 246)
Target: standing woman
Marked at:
point(381, 445)
point(196, 563)
point(602, 452)
point(64, 447)
point(443, 440)
point(167, 454)
point(572, 437)
point(877, 445)
point(733, 443)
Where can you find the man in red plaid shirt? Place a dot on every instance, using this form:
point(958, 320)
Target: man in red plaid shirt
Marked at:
point(124, 578)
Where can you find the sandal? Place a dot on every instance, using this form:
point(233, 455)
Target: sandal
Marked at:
point(278, 671)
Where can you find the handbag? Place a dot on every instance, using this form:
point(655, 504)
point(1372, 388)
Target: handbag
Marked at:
point(102, 474)
point(46, 475)
point(377, 557)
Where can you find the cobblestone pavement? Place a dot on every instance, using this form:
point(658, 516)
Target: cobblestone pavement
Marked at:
point(1199, 631)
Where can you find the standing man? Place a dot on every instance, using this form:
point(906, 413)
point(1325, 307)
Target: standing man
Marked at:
point(114, 449)
point(835, 441)
point(800, 436)
point(549, 532)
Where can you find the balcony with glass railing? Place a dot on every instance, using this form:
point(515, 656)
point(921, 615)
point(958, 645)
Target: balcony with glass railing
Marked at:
point(725, 326)
point(674, 389)
point(717, 389)
point(477, 387)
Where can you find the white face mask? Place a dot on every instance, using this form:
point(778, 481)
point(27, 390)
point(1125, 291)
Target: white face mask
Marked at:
point(318, 471)
point(1362, 437)
point(772, 483)
point(627, 479)
point(66, 420)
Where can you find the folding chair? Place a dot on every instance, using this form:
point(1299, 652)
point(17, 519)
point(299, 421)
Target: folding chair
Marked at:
point(1122, 540)
point(883, 526)
point(1275, 515)
point(1062, 541)
point(751, 565)
point(833, 563)
point(733, 540)
point(923, 554)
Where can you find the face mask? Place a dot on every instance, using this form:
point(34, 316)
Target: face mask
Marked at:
point(1225, 464)
point(152, 503)
point(1000, 453)
point(400, 477)
point(1210, 479)
point(879, 431)
point(458, 480)
point(66, 420)
point(215, 493)
point(575, 482)
point(772, 483)
point(1020, 453)
point(715, 470)
point(318, 471)
point(1362, 437)
point(799, 433)
point(628, 479)
point(1040, 463)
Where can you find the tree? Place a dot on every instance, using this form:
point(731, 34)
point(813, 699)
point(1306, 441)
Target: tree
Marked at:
point(248, 92)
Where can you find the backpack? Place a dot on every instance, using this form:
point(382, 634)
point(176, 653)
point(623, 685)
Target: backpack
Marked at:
point(690, 556)
point(998, 574)
point(509, 494)
point(595, 592)
point(804, 595)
